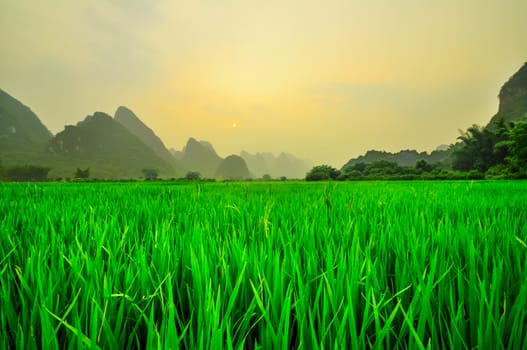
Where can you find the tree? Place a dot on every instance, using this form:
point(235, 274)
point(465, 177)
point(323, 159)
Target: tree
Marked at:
point(383, 167)
point(322, 172)
point(193, 175)
point(82, 174)
point(150, 174)
point(480, 148)
point(518, 147)
point(266, 177)
point(422, 166)
point(27, 173)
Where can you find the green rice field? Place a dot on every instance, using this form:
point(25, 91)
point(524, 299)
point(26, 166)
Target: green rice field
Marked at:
point(264, 265)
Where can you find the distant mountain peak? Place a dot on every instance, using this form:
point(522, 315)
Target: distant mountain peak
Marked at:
point(285, 164)
point(124, 109)
point(97, 116)
point(107, 147)
point(126, 117)
point(23, 136)
point(233, 168)
point(200, 156)
point(512, 99)
point(19, 124)
point(193, 144)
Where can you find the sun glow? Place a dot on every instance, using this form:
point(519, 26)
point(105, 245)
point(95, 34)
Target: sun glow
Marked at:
point(234, 125)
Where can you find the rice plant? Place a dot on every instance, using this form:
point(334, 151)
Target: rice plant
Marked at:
point(368, 265)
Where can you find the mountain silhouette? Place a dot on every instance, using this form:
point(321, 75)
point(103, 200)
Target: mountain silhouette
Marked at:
point(258, 164)
point(130, 121)
point(23, 137)
point(107, 148)
point(123, 146)
point(512, 99)
point(232, 168)
point(200, 156)
point(285, 164)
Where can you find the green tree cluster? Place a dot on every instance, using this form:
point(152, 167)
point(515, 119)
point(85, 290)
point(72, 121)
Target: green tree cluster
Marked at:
point(193, 175)
point(386, 170)
point(82, 174)
point(150, 174)
point(481, 149)
point(495, 153)
point(322, 172)
point(24, 173)
point(518, 148)
point(383, 169)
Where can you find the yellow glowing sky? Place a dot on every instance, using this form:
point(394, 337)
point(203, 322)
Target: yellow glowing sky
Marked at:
point(325, 80)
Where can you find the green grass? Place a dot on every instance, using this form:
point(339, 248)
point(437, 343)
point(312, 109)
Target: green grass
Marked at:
point(264, 265)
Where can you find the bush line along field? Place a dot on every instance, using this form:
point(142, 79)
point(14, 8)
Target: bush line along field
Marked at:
point(264, 265)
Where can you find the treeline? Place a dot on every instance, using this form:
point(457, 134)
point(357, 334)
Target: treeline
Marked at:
point(33, 173)
point(23, 173)
point(386, 170)
point(481, 153)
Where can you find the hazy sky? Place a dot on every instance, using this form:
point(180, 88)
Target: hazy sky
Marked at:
point(325, 80)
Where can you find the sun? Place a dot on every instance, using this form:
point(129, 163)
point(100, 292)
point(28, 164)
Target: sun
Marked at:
point(234, 125)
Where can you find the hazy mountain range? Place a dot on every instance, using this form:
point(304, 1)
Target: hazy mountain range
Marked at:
point(199, 156)
point(121, 147)
point(283, 165)
point(107, 147)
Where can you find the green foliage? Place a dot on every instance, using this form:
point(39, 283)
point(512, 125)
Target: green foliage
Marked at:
point(499, 153)
point(150, 174)
point(263, 265)
point(380, 169)
point(422, 166)
point(322, 172)
point(384, 170)
point(402, 158)
point(26, 173)
point(82, 174)
point(193, 175)
point(518, 147)
point(481, 148)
